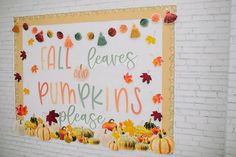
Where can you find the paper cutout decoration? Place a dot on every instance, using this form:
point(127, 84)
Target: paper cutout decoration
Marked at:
point(39, 37)
point(34, 69)
point(157, 61)
point(144, 22)
point(51, 117)
point(16, 29)
point(150, 40)
point(129, 127)
point(26, 91)
point(156, 115)
point(68, 42)
point(156, 17)
point(25, 26)
point(60, 35)
point(101, 40)
point(30, 41)
point(21, 110)
point(78, 36)
point(90, 35)
point(157, 99)
point(128, 78)
point(23, 55)
point(17, 77)
point(112, 32)
point(134, 32)
point(50, 34)
point(170, 17)
point(34, 30)
point(123, 28)
point(146, 78)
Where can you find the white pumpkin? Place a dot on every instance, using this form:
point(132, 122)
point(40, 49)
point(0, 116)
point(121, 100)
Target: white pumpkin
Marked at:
point(105, 138)
point(20, 127)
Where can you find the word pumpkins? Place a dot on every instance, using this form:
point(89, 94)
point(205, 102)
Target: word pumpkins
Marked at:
point(43, 132)
point(162, 145)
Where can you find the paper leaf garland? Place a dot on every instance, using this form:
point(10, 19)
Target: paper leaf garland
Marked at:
point(157, 99)
point(25, 26)
point(156, 115)
point(146, 78)
point(68, 42)
point(156, 17)
point(170, 17)
point(150, 40)
point(101, 40)
point(23, 55)
point(21, 110)
point(157, 61)
point(51, 117)
point(16, 29)
point(135, 32)
point(128, 78)
point(39, 37)
point(17, 77)
point(123, 28)
point(34, 30)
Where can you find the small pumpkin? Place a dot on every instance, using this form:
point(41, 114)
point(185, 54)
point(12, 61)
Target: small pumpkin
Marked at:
point(68, 138)
point(54, 135)
point(83, 132)
point(62, 132)
point(93, 141)
point(156, 130)
point(113, 145)
point(19, 127)
point(126, 143)
point(110, 125)
point(83, 139)
point(104, 137)
point(149, 125)
point(29, 131)
point(81, 73)
point(141, 146)
point(162, 145)
point(43, 132)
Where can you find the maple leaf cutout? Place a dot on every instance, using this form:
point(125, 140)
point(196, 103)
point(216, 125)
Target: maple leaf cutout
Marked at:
point(146, 78)
point(23, 55)
point(51, 117)
point(156, 115)
point(129, 127)
point(150, 40)
point(30, 41)
point(157, 99)
point(34, 69)
point(17, 77)
point(157, 61)
point(26, 91)
point(128, 78)
point(21, 110)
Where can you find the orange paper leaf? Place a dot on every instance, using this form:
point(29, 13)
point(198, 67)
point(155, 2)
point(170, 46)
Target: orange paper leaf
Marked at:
point(157, 61)
point(21, 110)
point(128, 78)
point(157, 99)
point(68, 42)
point(34, 69)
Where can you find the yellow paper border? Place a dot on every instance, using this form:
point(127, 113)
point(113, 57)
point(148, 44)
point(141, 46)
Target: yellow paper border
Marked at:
point(105, 15)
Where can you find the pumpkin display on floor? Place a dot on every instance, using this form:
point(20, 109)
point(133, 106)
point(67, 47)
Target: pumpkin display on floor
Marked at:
point(93, 141)
point(83, 132)
point(113, 145)
point(43, 132)
point(29, 131)
point(162, 144)
point(20, 127)
point(141, 146)
point(105, 138)
point(126, 143)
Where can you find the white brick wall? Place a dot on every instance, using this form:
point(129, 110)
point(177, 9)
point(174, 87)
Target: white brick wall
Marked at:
point(205, 93)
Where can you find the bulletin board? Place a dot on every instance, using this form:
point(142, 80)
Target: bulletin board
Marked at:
point(98, 77)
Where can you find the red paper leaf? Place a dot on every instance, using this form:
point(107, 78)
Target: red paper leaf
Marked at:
point(170, 17)
point(51, 117)
point(21, 110)
point(156, 115)
point(146, 78)
point(17, 77)
point(23, 55)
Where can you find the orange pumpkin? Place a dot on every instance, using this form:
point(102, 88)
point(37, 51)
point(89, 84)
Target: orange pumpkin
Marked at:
point(62, 132)
point(81, 73)
point(110, 125)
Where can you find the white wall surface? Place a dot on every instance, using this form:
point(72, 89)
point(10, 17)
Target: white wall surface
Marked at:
point(205, 83)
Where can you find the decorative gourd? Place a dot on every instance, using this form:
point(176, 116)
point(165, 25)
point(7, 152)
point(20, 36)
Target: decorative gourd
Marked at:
point(68, 138)
point(62, 132)
point(126, 143)
point(19, 127)
point(29, 131)
point(83, 132)
point(93, 141)
point(149, 125)
point(113, 145)
point(81, 73)
point(141, 146)
point(54, 135)
point(104, 137)
point(83, 139)
point(110, 125)
point(162, 145)
point(43, 132)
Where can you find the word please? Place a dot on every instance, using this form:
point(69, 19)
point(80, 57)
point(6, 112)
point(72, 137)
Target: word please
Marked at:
point(87, 92)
